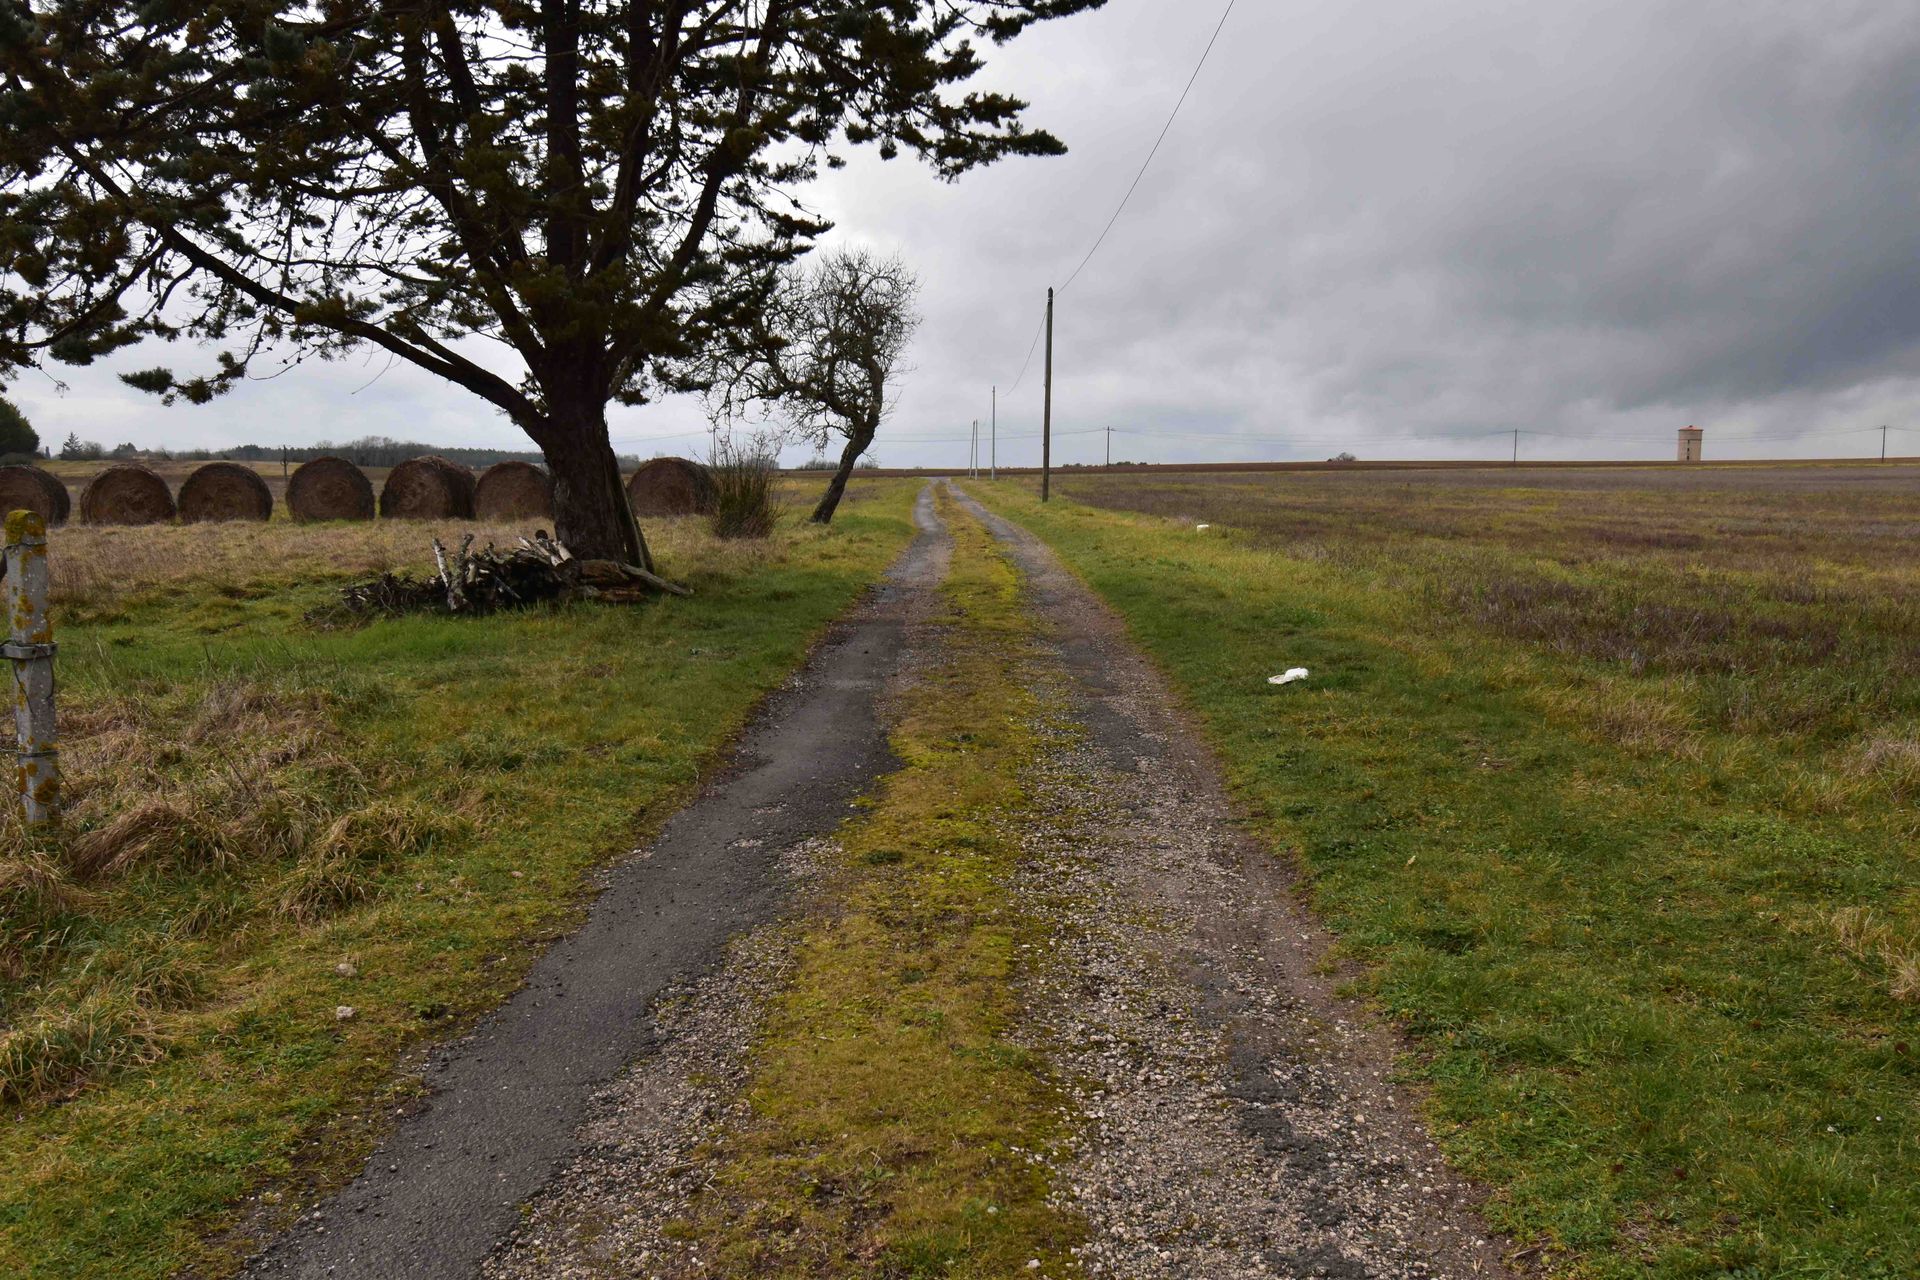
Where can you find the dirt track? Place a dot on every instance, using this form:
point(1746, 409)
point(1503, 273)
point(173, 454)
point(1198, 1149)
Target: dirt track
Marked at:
point(1235, 1118)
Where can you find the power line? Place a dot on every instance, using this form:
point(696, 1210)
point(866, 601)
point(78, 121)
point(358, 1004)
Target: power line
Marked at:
point(1165, 129)
point(677, 435)
point(1128, 197)
point(1031, 348)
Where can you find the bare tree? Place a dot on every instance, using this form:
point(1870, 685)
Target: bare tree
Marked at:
point(828, 343)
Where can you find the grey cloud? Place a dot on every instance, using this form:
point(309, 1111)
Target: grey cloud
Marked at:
point(1394, 222)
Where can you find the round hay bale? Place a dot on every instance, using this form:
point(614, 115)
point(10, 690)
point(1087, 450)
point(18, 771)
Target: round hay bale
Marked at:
point(126, 493)
point(329, 489)
point(513, 491)
point(225, 491)
point(25, 488)
point(428, 488)
point(671, 487)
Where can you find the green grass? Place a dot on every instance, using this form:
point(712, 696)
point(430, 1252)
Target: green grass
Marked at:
point(257, 802)
point(889, 1106)
point(1649, 950)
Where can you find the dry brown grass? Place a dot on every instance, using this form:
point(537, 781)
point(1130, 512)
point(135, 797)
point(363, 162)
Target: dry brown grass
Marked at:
point(97, 569)
point(1869, 939)
point(245, 772)
point(1895, 761)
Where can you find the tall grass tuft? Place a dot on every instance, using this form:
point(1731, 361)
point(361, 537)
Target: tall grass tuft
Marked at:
point(56, 1050)
point(344, 867)
point(745, 479)
point(1870, 940)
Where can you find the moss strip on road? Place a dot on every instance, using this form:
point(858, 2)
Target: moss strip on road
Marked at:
point(893, 1118)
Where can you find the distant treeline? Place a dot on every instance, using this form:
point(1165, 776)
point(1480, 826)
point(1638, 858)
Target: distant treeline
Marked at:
point(373, 451)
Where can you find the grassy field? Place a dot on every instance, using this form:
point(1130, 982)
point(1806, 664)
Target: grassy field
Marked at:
point(1610, 781)
point(272, 820)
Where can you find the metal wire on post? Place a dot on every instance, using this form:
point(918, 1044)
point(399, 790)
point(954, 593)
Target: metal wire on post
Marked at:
point(29, 649)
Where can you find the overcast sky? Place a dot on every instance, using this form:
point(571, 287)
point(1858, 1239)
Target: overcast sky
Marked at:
point(1396, 227)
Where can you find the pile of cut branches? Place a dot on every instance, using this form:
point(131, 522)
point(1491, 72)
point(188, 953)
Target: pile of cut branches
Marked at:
point(539, 569)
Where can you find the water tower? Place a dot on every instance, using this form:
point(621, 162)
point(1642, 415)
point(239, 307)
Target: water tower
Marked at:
point(1690, 438)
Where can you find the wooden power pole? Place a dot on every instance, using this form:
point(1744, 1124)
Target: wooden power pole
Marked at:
point(1046, 421)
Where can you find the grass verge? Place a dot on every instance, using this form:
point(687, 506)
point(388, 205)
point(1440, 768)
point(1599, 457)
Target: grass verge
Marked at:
point(271, 822)
point(1655, 979)
point(891, 1113)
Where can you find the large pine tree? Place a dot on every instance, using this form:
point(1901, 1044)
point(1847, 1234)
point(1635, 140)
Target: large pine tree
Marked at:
point(594, 186)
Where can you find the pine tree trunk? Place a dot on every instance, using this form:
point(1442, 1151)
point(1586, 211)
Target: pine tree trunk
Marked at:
point(590, 509)
point(837, 487)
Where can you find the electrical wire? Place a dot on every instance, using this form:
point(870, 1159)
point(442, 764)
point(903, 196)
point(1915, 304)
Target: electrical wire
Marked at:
point(1164, 130)
point(1135, 186)
point(1031, 348)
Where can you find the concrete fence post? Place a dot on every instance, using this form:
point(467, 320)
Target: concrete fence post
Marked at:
point(29, 651)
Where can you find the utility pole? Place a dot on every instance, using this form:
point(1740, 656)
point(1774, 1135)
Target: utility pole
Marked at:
point(1046, 421)
point(993, 440)
point(973, 452)
point(1109, 448)
point(1516, 446)
point(1883, 444)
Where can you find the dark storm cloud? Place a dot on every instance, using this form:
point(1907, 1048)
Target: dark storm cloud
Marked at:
point(1390, 220)
point(1397, 224)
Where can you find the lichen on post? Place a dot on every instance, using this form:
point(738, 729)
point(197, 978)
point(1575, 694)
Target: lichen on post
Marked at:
point(29, 650)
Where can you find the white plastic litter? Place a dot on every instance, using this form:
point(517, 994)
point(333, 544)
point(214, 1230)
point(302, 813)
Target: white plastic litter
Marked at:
point(1294, 676)
point(1202, 527)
